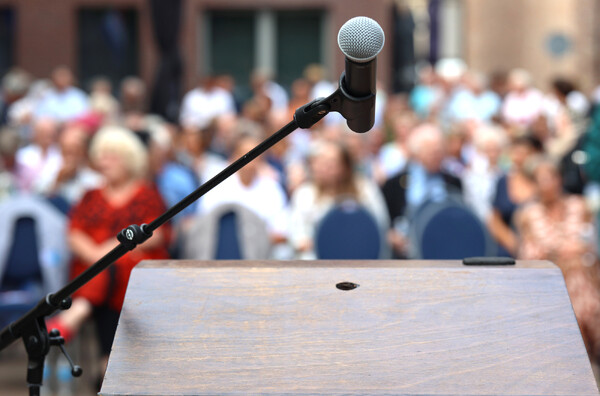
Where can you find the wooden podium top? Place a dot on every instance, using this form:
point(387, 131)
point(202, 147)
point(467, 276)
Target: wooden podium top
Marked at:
point(410, 328)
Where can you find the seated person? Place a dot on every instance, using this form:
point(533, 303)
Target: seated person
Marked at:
point(333, 179)
point(252, 188)
point(123, 199)
point(559, 227)
point(422, 180)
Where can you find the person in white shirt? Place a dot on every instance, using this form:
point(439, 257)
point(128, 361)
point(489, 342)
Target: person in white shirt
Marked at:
point(203, 104)
point(523, 104)
point(63, 102)
point(38, 163)
point(251, 188)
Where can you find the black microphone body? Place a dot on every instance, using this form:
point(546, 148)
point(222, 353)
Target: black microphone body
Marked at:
point(359, 82)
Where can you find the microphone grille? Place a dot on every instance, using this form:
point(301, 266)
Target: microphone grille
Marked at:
point(361, 39)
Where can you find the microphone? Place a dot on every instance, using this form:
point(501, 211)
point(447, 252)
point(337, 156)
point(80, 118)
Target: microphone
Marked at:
point(360, 39)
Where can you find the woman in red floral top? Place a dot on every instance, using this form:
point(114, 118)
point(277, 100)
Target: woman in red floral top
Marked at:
point(558, 227)
point(125, 198)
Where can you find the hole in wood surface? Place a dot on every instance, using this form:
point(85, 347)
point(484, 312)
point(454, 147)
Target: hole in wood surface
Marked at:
point(346, 286)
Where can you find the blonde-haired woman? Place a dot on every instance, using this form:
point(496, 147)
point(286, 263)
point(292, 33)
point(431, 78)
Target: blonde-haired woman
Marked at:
point(124, 198)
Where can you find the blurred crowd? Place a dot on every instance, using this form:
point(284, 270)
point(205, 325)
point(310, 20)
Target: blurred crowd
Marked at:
point(521, 158)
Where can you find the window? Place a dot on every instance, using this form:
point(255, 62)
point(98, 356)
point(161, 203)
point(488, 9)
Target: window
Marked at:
point(7, 39)
point(232, 45)
point(300, 36)
point(282, 42)
point(108, 44)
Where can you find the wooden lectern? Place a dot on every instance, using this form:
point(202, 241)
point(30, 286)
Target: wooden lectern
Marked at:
point(409, 328)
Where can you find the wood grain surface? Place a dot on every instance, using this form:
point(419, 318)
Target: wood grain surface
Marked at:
point(410, 328)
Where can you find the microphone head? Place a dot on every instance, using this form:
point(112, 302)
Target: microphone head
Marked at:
point(361, 39)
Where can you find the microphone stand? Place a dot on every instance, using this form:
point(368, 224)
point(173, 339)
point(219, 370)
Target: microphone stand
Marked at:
point(31, 327)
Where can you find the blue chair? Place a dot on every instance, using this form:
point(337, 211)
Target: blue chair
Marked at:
point(449, 231)
point(228, 243)
point(348, 232)
point(21, 285)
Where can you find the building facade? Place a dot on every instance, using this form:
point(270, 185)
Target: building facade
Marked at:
point(115, 37)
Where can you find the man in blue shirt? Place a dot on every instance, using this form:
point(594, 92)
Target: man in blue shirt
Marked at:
point(64, 101)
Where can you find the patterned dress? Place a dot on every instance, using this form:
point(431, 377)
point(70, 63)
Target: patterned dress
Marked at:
point(100, 220)
point(568, 240)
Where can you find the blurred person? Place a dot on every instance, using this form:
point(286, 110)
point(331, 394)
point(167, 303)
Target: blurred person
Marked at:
point(204, 103)
point(558, 227)
point(523, 103)
point(332, 180)
point(481, 176)
point(64, 101)
point(473, 101)
point(421, 181)
point(222, 134)
point(196, 155)
point(425, 94)
point(21, 112)
point(101, 99)
point(173, 180)
point(262, 84)
point(450, 72)
point(39, 162)
point(363, 149)
point(396, 104)
point(513, 190)
point(9, 144)
point(565, 124)
point(316, 75)
point(15, 85)
point(124, 198)
point(257, 109)
point(381, 98)
point(300, 95)
point(133, 97)
point(499, 83)
point(454, 162)
point(227, 82)
point(253, 189)
point(75, 176)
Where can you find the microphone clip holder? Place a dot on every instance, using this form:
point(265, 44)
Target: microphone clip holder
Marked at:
point(358, 112)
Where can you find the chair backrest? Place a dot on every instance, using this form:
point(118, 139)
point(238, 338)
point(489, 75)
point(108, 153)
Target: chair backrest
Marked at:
point(22, 264)
point(348, 231)
point(449, 230)
point(228, 243)
point(228, 232)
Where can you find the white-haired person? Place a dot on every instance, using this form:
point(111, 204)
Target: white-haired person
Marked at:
point(123, 199)
point(421, 181)
point(481, 175)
